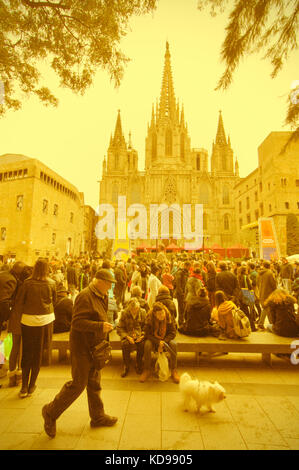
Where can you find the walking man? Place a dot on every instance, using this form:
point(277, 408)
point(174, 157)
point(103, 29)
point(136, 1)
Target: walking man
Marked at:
point(89, 327)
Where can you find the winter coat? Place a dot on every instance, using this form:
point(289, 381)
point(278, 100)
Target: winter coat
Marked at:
point(36, 297)
point(166, 300)
point(225, 318)
point(8, 286)
point(198, 316)
point(89, 314)
point(181, 279)
point(149, 329)
point(71, 276)
point(130, 326)
point(283, 318)
point(211, 282)
point(193, 284)
point(228, 283)
point(63, 310)
point(286, 271)
point(153, 286)
point(266, 284)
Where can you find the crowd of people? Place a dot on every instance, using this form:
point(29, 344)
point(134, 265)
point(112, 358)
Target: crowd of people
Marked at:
point(150, 300)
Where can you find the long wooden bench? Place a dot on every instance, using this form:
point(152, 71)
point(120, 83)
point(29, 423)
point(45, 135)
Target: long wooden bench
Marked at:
point(264, 342)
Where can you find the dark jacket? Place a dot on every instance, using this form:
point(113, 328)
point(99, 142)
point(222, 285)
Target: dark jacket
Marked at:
point(286, 271)
point(36, 297)
point(149, 329)
point(282, 316)
point(63, 310)
point(166, 300)
point(211, 282)
point(8, 286)
point(71, 276)
point(198, 315)
point(228, 283)
point(181, 278)
point(266, 284)
point(89, 314)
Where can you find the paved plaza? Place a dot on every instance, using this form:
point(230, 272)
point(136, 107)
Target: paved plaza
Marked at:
point(261, 411)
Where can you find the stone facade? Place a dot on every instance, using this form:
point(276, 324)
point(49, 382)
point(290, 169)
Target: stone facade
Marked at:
point(175, 173)
point(41, 214)
point(272, 190)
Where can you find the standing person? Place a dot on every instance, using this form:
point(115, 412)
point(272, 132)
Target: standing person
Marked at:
point(89, 327)
point(266, 285)
point(252, 271)
point(180, 282)
point(14, 327)
point(141, 279)
point(121, 284)
point(84, 277)
point(72, 280)
point(246, 307)
point(35, 303)
point(8, 289)
point(167, 279)
point(211, 282)
point(286, 275)
point(227, 282)
point(153, 286)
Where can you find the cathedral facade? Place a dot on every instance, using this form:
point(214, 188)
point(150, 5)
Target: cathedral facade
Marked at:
point(175, 173)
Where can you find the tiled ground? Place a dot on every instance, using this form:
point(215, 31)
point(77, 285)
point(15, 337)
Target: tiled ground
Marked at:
point(261, 410)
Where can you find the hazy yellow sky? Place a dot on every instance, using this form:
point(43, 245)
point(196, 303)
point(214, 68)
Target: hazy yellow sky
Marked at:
point(73, 138)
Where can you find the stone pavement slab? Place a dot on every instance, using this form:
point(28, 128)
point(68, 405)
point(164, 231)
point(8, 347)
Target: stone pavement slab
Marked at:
point(261, 411)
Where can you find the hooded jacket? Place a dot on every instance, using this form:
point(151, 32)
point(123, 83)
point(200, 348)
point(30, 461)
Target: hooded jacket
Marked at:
point(166, 300)
point(198, 315)
point(225, 318)
point(282, 317)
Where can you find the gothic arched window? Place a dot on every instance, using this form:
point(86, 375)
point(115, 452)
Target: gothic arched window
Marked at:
point(168, 142)
point(198, 162)
point(226, 222)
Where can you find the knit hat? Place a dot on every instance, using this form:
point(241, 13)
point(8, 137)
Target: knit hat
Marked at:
point(105, 275)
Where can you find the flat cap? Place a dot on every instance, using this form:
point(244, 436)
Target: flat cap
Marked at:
point(105, 275)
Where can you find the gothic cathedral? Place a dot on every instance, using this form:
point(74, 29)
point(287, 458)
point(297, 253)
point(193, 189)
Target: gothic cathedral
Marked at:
point(175, 173)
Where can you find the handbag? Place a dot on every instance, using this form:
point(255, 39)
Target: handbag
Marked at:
point(162, 367)
point(101, 354)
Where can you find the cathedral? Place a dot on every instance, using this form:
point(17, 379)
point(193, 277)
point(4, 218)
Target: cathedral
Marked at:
point(175, 173)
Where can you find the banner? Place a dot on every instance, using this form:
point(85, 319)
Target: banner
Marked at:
point(269, 248)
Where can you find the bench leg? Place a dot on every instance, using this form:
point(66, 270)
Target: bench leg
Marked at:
point(266, 357)
point(62, 354)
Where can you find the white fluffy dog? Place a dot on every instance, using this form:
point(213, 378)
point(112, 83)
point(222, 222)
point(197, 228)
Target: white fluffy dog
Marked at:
point(202, 392)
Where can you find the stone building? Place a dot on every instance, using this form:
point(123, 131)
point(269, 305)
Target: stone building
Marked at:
point(41, 214)
point(175, 172)
point(271, 190)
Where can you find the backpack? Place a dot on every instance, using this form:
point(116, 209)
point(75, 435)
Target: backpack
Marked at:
point(241, 323)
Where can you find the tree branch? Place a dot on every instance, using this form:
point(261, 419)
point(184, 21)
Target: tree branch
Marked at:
point(44, 4)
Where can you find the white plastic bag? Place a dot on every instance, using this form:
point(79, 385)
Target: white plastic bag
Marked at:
point(162, 367)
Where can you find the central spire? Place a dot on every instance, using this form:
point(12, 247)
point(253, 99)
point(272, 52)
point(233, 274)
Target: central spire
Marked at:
point(220, 136)
point(167, 107)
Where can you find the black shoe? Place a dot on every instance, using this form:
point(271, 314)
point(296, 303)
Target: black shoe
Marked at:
point(31, 390)
point(138, 369)
point(105, 420)
point(125, 372)
point(49, 424)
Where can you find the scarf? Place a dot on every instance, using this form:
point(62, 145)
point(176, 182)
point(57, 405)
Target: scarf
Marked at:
point(159, 328)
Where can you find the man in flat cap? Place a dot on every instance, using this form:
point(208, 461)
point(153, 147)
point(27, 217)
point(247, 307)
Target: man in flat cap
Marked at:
point(89, 327)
